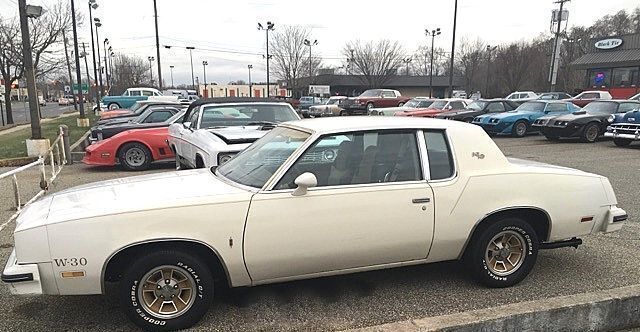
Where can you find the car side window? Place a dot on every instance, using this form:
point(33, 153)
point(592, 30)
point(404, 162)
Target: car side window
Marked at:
point(439, 153)
point(556, 107)
point(495, 107)
point(359, 158)
point(626, 107)
point(388, 94)
point(126, 93)
point(158, 116)
point(457, 105)
point(193, 118)
point(147, 93)
point(134, 93)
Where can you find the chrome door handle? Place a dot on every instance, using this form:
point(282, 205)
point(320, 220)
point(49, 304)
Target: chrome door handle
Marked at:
point(421, 200)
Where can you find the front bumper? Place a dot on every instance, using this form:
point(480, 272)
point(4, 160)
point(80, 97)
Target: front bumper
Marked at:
point(561, 131)
point(624, 130)
point(497, 128)
point(614, 220)
point(21, 278)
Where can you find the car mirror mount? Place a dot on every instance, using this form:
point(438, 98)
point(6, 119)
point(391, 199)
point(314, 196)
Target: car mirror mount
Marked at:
point(304, 181)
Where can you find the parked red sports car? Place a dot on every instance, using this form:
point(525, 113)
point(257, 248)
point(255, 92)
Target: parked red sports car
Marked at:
point(133, 150)
point(437, 107)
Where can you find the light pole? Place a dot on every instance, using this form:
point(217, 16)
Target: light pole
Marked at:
point(99, 24)
point(407, 61)
point(106, 64)
point(486, 83)
point(82, 121)
point(433, 34)
point(250, 88)
point(204, 69)
point(110, 58)
point(28, 11)
point(453, 47)
point(270, 27)
point(171, 69)
point(155, 15)
point(151, 59)
point(310, 44)
point(92, 6)
point(85, 55)
point(193, 82)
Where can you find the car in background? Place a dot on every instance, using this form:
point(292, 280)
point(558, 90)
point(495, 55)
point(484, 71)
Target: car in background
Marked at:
point(214, 130)
point(585, 97)
point(414, 103)
point(135, 110)
point(589, 123)
point(554, 96)
point(129, 97)
point(152, 117)
point(312, 198)
point(133, 150)
point(636, 97)
point(374, 98)
point(294, 102)
point(624, 128)
point(438, 106)
point(306, 102)
point(522, 96)
point(518, 123)
point(64, 101)
point(477, 108)
point(330, 107)
point(42, 101)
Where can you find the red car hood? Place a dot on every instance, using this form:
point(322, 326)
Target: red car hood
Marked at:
point(421, 112)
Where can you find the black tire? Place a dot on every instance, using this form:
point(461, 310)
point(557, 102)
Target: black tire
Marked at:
point(183, 265)
point(478, 251)
point(343, 113)
point(400, 104)
point(369, 107)
point(622, 141)
point(520, 128)
point(588, 133)
point(113, 106)
point(135, 157)
point(179, 164)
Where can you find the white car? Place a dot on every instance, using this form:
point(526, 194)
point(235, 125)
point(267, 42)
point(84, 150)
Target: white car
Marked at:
point(522, 96)
point(311, 198)
point(214, 130)
point(636, 97)
point(330, 107)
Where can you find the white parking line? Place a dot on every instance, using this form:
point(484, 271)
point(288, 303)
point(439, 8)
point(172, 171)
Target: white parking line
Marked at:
point(6, 223)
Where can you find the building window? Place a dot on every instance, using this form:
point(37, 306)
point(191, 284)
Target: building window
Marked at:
point(599, 77)
point(625, 77)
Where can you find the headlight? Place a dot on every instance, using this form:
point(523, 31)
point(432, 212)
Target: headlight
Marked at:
point(476, 119)
point(224, 157)
point(611, 118)
point(494, 120)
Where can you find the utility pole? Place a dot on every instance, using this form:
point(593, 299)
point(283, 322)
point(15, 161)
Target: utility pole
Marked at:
point(171, 69)
point(250, 87)
point(453, 48)
point(556, 45)
point(36, 130)
point(92, 6)
point(193, 82)
point(82, 121)
point(66, 54)
point(155, 15)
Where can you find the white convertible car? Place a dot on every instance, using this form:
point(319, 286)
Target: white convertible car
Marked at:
point(311, 198)
point(214, 130)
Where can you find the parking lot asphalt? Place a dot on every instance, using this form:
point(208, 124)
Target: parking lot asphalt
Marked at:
point(365, 299)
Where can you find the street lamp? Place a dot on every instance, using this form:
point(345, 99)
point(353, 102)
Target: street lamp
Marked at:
point(190, 48)
point(171, 69)
point(433, 34)
point(407, 61)
point(151, 59)
point(106, 64)
point(250, 88)
point(204, 69)
point(99, 24)
point(453, 47)
point(270, 27)
point(486, 83)
point(93, 6)
point(310, 44)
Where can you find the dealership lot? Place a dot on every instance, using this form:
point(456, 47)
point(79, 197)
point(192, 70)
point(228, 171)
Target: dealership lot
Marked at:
point(365, 299)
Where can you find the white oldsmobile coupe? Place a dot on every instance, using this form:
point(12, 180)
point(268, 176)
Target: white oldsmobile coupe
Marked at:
point(214, 130)
point(311, 198)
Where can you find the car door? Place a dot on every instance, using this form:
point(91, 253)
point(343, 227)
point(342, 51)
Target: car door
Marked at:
point(389, 99)
point(371, 206)
point(184, 147)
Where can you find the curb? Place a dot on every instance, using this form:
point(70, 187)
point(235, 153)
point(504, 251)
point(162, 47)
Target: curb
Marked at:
point(605, 310)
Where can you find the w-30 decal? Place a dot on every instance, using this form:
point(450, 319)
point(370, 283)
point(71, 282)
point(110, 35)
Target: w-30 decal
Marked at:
point(70, 261)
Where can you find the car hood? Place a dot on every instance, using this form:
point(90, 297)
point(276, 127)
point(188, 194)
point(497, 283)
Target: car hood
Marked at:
point(239, 134)
point(579, 115)
point(512, 114)
point(393, 109)
point(130, 194)
point(460, 112)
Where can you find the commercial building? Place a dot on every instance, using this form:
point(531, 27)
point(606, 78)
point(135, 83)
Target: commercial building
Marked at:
point(612, 64)
point(245, 90)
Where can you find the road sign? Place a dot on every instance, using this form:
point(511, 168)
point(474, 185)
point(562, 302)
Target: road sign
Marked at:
point(85, 88)
point(319, 89)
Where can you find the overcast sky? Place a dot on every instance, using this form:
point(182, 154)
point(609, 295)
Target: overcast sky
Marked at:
point(231, 26)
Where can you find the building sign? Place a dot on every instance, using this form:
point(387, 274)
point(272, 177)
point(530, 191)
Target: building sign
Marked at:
point(319, 90)
point(607, 44)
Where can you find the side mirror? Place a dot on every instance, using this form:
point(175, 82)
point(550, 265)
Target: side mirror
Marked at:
point(186, 125)
point(449, 107)
point(304, 181)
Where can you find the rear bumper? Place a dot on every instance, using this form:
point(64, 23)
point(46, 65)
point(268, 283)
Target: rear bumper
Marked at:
point(614, 220)
point(21, 278)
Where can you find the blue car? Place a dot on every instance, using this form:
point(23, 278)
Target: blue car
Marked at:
point(624, 128)
point(519, 122)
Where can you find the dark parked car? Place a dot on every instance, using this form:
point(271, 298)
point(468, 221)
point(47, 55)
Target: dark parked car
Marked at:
point(151, 118)
point(554, 96)
point(624, 128)
point(479, 107)
point(137, 109)
point(589, 123)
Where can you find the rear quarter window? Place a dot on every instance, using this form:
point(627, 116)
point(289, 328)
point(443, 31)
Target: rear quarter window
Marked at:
point(439, 154)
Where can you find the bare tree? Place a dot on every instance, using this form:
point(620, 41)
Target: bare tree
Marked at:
point(513, 64)
point(291, 55)
point(422, 60)
point(128, 71)
point(45, 34)
point(377, 62)
point(471, 55)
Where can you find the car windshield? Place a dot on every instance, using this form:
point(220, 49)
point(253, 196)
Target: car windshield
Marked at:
point(370, 93)
point(601, 107)
point(416, 103)
point(333, 101)
point(245, 114)
point(549, 96)
point(136, 106)
point(439, 104)
point(176, 117)
point(531, 106)
point(477, 105)
point(306, 99)
point(255, 165)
